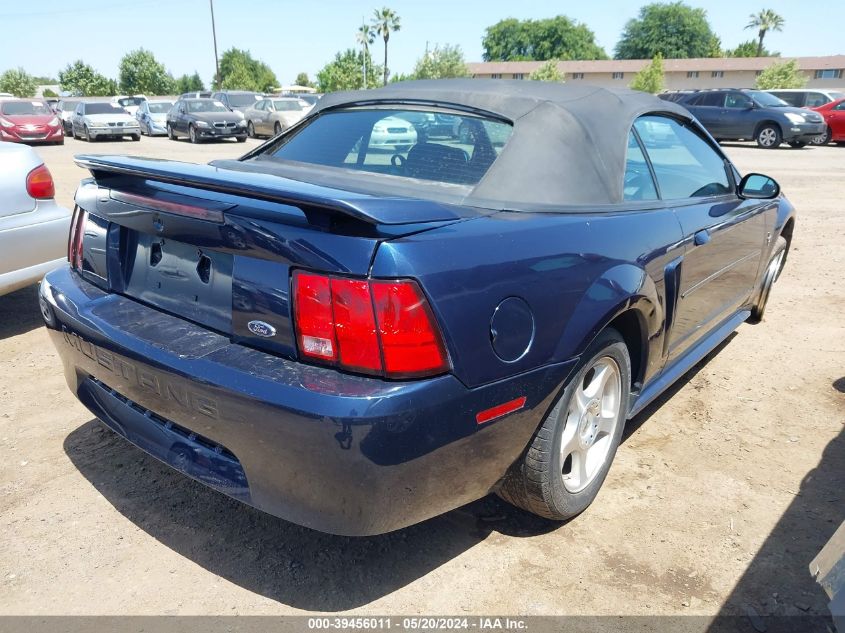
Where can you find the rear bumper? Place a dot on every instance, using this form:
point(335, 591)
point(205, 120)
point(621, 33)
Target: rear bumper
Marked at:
point(338, 453)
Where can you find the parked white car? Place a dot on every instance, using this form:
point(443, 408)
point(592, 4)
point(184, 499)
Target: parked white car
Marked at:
point(91, 121)
point(33, 228)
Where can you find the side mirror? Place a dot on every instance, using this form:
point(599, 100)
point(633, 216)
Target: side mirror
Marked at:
point(758, 187)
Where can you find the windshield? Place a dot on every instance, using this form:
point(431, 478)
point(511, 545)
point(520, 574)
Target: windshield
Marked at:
point(24, 108)
point(103, 108)
point(131, 101)
point(836, 96)
point(161, 107)
point(397, 142)
point(205, 105)
point(309, 99)
point(767, 100)
point(238, 101)
point(68, 105)
point(287, 106)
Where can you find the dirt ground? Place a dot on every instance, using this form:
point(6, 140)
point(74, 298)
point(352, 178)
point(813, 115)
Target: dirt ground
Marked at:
point(721, 494)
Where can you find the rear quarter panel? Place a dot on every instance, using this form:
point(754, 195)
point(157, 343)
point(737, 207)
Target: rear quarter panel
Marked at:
point(575, 271)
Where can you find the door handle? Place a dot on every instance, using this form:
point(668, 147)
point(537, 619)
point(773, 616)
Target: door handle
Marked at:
point(701, 237)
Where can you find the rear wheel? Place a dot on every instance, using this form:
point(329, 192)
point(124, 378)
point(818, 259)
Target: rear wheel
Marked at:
point(769, 278)
point(566, 463)
point(768, 136)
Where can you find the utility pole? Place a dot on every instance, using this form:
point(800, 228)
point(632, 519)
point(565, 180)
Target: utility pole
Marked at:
point(214, 35)
point(364, 53)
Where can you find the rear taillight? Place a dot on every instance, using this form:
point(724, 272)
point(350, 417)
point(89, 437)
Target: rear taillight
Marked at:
point(39, 183)
point(77, 234)
point(380, 327)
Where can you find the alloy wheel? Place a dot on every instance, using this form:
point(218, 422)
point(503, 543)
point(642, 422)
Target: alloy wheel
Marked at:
point(591, 421)
point(767, 137)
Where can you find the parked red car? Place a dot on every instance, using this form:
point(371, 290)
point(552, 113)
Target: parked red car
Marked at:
point(29, 121)
point(834, 116)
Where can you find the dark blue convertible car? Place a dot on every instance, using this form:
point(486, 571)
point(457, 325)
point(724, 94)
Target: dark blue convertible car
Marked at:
point(417, 296)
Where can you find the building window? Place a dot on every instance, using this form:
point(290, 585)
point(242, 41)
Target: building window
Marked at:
point(496, 76)
point(758, 73)
point(718, 73)
point(619, 75)
point(829, 73)
point(519, 75)
point(579, 75)
point(692, 74)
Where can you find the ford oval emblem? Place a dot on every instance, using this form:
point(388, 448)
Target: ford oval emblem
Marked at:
point(261, 328)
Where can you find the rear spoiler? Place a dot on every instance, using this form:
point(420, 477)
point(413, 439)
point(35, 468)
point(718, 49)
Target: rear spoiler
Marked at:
point(365, 208)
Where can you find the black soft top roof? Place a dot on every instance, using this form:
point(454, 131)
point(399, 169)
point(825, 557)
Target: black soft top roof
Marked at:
point(569, 141)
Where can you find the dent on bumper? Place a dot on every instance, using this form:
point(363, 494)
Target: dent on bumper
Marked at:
point(336, 452)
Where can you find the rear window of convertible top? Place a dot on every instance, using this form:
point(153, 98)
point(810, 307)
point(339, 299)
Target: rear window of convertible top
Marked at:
point(407, 143)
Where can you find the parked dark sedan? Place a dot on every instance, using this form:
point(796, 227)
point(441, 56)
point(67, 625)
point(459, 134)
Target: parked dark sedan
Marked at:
point(203, 119)
point(357, 340)
point(751, 115)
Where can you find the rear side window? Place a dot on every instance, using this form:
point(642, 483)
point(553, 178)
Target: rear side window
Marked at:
point(816, 99)
point(420, 144)
point(712, 99)
point(638, 185)
point(685, 165)
point(792, 98)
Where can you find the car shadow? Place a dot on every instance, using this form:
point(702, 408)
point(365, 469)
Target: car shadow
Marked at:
point(283, 561)
point(280, 560)
point(777, 589)
point(19, 312)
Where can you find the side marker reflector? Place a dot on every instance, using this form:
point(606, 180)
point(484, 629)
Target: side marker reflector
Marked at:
point(499, 410)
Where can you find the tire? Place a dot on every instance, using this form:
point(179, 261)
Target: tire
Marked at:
point(170, 133)
point(250, 129)
point(771, 275)
point(768, 136)
point(823, 139)
point(87, 134)
point(797, 144)
point(136, 137)
point(277, 129)
point(69, 132)
point(241, 139)
point(544, 480)
point(192, 134)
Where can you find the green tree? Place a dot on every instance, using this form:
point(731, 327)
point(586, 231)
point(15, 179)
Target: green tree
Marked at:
point(48, 93)
point(385, 22)
point(674, 30)
point(240, 71)
point(547, 72)
point(552, 38)
point(303, 80)
point(18, 82)
point(189, 83)
point(749, 49)
point(142, 73)
point(44, 80)
point(764, 21)
point(82, 80)
point(650, 78)
point(781, 75)
point(441, 63)
point(344, 72)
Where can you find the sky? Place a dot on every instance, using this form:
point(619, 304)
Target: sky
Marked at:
point(292, 37)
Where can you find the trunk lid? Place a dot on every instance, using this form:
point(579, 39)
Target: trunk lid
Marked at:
point(217, 246)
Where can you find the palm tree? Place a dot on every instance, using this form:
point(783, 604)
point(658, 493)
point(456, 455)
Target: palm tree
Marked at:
point(764, 21)
point(365, 37)
point(385, 21)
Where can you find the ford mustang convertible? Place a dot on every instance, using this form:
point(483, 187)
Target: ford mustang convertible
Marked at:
point(356, 335)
